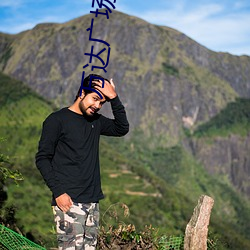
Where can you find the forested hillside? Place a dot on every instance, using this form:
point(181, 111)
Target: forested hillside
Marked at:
point(188, 109)
point(159, 185)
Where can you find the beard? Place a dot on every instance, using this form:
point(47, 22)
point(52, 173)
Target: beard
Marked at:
point(91, 110)
point(82, 107)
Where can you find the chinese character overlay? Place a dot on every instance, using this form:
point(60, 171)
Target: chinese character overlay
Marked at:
point(101, 4)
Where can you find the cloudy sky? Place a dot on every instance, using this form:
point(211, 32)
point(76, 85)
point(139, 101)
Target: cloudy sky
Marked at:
point(220, 25)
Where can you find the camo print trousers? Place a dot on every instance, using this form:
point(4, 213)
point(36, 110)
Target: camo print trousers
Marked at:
point(78, 228)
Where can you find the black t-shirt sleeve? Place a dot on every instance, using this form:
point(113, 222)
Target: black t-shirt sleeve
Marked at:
point(118, 126)
point(50, 135)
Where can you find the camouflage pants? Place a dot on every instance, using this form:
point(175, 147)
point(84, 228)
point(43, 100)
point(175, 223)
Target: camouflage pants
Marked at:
point(78, 228)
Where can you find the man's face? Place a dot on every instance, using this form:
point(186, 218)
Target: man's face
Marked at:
point(91, 104)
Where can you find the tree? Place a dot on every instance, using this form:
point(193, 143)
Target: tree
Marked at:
point(7, 215)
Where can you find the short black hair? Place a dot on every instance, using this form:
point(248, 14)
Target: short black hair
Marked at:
point(86, 83)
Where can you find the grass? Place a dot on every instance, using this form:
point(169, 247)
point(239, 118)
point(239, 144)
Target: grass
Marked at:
point(170, 70)
point(233, 119)
point(131, 175)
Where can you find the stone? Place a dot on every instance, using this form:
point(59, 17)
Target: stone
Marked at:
point(197, 228)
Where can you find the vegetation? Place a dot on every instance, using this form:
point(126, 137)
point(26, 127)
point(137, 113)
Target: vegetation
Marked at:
point(170, 70)
point(6, 49)
point(6, 172)
point(234, 118)
point(185, 180)
point(160, 186)
point(126, 237)
point(7, 214)
point(22, 113)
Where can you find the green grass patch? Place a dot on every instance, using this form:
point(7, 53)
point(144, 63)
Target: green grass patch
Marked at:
point(160, 186)
point(170, 70)
point(233, 119)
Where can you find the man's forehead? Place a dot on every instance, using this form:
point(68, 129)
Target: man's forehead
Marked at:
point(97, 96)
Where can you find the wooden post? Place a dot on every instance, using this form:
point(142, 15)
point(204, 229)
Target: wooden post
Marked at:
point(197, 228)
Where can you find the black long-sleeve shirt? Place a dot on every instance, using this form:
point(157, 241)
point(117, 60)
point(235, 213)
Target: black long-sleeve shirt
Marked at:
point(68, 151)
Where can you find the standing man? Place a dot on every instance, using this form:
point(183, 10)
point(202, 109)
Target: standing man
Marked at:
point(68, 159)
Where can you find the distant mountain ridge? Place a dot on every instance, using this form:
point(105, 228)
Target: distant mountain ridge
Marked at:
point(159, 185)
point(144, 57)
point(165, 79)
point(169, 84)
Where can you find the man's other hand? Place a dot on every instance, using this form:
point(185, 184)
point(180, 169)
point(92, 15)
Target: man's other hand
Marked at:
point(64, 202)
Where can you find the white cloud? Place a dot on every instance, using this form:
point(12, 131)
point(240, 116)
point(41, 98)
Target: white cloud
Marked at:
point(211, 25)
point(216, 25)
point(20, 27)
point(242, 50)
point(201, 13)
point(241, 4)
point(10, 3)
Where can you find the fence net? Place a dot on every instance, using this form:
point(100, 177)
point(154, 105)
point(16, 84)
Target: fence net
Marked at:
point(11, 240)
point(172, 242)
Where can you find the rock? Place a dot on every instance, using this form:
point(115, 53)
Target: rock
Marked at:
point(197, 228)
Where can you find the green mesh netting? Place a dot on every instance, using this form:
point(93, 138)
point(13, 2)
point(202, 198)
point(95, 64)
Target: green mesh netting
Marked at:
point(172, 242)
point(11, 240)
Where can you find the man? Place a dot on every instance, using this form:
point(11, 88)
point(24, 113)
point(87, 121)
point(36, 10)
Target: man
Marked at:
point(68, 160)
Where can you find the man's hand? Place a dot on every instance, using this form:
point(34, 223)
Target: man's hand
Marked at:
point(64, 202)
point(108, 89)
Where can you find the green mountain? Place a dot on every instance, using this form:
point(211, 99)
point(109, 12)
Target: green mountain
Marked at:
point(167, 81)
point(222, 144)
point(160, 186)
point(188, 109)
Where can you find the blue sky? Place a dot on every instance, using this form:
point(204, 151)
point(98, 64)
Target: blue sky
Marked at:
point(222, 25)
